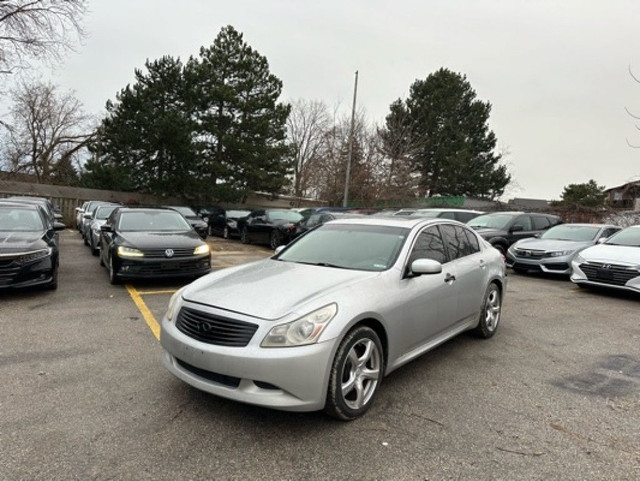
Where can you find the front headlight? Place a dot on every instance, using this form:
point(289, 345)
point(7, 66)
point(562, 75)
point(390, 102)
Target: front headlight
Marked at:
point(559, 253)
point(35, 255)
point(303, 331)
point(203, 249)
point(172, 304)
point(129, 252)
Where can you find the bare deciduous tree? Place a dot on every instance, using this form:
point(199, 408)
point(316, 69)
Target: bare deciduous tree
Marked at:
point(46, 133)
point(37, 28)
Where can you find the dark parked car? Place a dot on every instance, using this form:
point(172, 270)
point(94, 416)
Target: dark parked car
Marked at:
point(316, 220)
point(273, 227)
point(199, 225)
point(225, 222)
point(502, 229)
point(100, 216)
point(28, 247)
point(461, 215)
point(46, 205)
point(151, 243)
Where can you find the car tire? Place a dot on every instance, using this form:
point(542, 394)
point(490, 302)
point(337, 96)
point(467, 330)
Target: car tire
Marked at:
point(352, 387)
point(101, 260)
point(84, 238)
point(275, 239)
point(113, 277)
point(94, 249)
point(225, 232)
point(490, 312)
point(53, 284)
point(244, 236)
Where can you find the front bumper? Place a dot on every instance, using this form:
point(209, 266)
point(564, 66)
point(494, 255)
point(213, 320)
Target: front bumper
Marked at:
point(14, 275)
point(617, 279)
point(141, 268)
point(288, 378)
point(560, 265)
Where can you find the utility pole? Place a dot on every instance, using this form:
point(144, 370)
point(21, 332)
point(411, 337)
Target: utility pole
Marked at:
point(345, 200)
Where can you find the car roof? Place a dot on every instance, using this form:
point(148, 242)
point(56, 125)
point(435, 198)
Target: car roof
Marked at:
point(585, 224)
point(446, 209)
point(19, 205)
point(406, 222)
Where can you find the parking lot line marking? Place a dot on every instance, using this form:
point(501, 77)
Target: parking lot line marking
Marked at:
point(144, 310)
point(168, 291)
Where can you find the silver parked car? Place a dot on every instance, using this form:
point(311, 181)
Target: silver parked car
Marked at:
point(320, 323)
point(99, 219)
point(614, 263)
point(554, 249)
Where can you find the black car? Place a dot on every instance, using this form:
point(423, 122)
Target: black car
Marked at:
point(317, 219)
point(502, 229)
point(199, 225)
point(47, 206)
point(225, 222)
point(28, 247)
point(272, 227)
point(151, 243)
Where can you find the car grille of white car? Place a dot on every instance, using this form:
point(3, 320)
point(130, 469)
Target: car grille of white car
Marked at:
point(212, 329)
point(608, 273)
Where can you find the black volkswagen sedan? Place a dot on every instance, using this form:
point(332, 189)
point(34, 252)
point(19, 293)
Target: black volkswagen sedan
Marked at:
point(28, 247)
point(194, 219)
point(151, 243)
point(273, 227)
point(225, 222)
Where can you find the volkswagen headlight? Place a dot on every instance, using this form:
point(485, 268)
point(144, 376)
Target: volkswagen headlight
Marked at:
point(203, 249)
point(303, 331)
point(129, 252)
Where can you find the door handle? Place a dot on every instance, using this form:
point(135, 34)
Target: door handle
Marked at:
point(449, 278)
point(483, 264)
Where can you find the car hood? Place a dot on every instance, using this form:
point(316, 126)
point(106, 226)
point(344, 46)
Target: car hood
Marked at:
point(489, 233)
point(20, 241)
point(161, 240)
point(551, 244)
point(270, 289)
point(612, 254)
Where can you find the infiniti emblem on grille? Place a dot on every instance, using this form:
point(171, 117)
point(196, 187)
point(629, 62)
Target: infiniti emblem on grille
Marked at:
point(205, 327)
point(168, 253)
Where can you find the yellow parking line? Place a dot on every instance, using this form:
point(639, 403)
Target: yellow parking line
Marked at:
point(144, 310)
point(168, 291)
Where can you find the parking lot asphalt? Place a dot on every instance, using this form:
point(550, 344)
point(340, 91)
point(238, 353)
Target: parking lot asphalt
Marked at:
point(555, 394)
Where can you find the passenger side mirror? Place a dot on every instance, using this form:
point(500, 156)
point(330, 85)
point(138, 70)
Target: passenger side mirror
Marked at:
point(425, 266)
point(279, 249)
point(602, 240)
point(87, 216)
point(106, 228)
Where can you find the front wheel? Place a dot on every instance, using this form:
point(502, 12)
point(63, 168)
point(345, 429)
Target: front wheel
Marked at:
point(113, 277)
point(275, 239)
point(355, 375)
point(490, 314)
point(225, 232)
point(244, 236)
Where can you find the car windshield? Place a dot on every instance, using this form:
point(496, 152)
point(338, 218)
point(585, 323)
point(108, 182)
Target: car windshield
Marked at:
point(104, 211)
point(20, 220)
point(427, 214)
point(583, 233)
point(626, 237)
point(156, 221)
point(491, 221)
point(286, 215)
point(358, 247)
point(236, 214)
point(185, 211)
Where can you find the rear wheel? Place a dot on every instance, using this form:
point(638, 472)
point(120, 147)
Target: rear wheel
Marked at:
point(490, 313)
point(275, 239)
point(355, 375)
point(501, 249)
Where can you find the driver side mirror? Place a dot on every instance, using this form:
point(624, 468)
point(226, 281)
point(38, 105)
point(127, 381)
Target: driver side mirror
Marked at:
point(425, 266)
point(602, 240)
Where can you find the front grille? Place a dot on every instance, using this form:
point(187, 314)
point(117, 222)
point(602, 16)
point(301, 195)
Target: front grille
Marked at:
point(176, 267)
point(211, 329)
point(557, 266)
point(210, 375)
point(608, 273)
point(7, 261)
point(161, 253)
point(8, 274)
point(531, 254)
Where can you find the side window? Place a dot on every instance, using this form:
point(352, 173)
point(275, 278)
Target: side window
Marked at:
point(473, 244)
point(540, 223)
point(429, 245)
point(524, 221)
point(465, 217)
point(313, 221)
point(325, 218)
point(458, 241)
point(448, 215)
point(609, 232)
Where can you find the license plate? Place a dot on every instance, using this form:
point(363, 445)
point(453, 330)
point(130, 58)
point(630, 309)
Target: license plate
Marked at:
point(605, 274)
point(167, 266)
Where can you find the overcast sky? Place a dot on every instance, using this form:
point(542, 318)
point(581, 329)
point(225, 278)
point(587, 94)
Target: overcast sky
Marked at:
point(556, 72)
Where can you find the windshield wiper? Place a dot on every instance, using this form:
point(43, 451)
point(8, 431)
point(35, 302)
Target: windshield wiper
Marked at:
point(322, 264)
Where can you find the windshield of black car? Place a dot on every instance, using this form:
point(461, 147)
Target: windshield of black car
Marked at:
point(491, 221)
point(154, 221)
point(584, 233)
point(626, 237)
point(20, 220)
point(286, 215)
point(103, 212)
point(358, 247)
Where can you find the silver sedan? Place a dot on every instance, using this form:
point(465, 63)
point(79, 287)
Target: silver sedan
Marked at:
point(615, 263)
point(319, 324)
point(553, 251)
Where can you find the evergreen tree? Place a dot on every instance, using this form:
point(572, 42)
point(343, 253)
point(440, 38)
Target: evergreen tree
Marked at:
point(240, 127)
point(453, 149)
point(588, 194)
